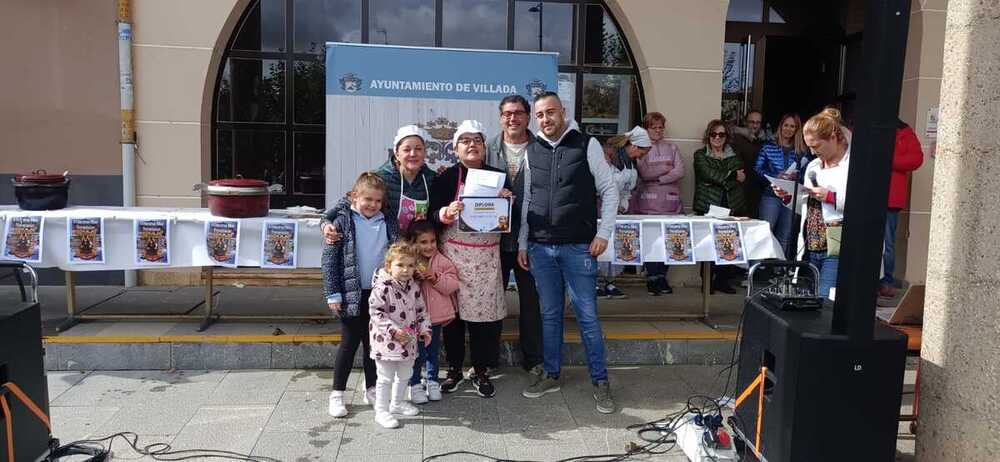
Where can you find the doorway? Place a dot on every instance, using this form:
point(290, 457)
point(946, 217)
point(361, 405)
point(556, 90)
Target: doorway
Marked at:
point(785, 56)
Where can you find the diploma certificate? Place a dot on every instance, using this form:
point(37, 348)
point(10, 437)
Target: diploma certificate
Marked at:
point(485, 215)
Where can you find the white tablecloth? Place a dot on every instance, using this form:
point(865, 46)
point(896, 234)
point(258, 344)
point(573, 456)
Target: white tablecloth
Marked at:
point(188, 237)
point(758, 242)
point(187, 243)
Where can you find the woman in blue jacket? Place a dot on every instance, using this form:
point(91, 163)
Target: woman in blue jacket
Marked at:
point(780, 159)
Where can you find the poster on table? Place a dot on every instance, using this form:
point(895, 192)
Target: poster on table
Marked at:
point(485, 215)
point(222, 242)
point(372, 90)
point(728, 239)
point(85, 240)
point(280, 243)
point(23, 238)
point(678, 243)
point(152, 241)
point(627, 243)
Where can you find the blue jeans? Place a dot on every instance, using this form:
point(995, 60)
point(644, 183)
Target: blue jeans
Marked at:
point(558, 267)
point(889, 253)
point(429, 355)
point(780, 217)
point(827, 267)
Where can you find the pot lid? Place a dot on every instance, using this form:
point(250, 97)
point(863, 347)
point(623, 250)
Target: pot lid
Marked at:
point(41, 177)
point(239, 183)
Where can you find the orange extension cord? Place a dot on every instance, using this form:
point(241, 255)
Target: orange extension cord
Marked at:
point(759, 384)
point(8, 417)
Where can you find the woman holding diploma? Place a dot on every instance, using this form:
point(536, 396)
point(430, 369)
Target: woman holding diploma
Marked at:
point(477, 257)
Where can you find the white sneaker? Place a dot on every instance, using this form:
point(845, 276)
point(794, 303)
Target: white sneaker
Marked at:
point(337, 408)
point(404, 408)
point(417, 394)
point(369, 397)
point(386, 420)
point(433, 390)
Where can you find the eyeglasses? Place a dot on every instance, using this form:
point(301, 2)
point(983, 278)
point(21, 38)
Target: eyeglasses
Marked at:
point(753, 122)
point(512, 114)
point(471, 141)
point(717, 135)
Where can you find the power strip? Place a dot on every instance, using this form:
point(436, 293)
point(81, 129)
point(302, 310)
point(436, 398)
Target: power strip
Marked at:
point(689, 438)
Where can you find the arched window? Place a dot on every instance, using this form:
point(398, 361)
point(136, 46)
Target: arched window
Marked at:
point(268, 114)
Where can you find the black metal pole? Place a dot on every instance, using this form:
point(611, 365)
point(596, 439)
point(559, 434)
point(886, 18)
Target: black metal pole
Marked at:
point(541, 11)
point(886, 28)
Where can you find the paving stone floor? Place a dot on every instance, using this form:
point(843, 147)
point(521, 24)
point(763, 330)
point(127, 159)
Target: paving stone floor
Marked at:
point(282, 414)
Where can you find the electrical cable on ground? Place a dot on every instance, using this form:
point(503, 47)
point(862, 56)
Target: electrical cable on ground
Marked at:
point(157, 451)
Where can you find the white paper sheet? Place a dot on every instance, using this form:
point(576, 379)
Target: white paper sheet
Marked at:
point(717, 212)
point(483, 183)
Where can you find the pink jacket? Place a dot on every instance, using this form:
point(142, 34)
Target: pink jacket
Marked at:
point(440, 296)
point(395, 306)
point(658, 191)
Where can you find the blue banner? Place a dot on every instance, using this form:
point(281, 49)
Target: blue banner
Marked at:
point(439, 73)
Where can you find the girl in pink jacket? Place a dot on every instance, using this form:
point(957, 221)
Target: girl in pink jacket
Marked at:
point(439, 281)
point(658, 191)
point(399, 321)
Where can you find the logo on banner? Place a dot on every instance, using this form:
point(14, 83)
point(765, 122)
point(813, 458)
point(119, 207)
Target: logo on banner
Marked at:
point(535, 87)
point(350, 83)
point(440, 149)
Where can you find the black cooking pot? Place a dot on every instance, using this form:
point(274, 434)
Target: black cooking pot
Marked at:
point(41, 191)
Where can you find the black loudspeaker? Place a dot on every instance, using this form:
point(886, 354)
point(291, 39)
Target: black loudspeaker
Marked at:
point(21, 363)
point(826, 398)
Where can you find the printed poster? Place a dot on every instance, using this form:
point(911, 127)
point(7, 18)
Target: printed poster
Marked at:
point(280, 243)
point(222, 242)
point(627, 243)
point(678, 243)
point(23, 238)
point(728, 238)
point(85, 240)
point(152, 241)
point(485, 215)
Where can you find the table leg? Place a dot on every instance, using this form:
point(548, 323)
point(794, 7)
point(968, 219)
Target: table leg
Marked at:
point(706, 288)
point(71, 319)
point(209, 305)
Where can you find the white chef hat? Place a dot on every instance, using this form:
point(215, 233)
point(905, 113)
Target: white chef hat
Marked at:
point(468, 126)
point(638, 136)
point(409, 130)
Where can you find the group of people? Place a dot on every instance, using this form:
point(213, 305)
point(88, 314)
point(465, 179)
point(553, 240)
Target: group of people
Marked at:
point(404, 281)
point(816, 155)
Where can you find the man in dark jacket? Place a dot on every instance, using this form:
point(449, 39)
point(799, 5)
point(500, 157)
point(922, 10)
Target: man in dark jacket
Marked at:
point(507, 151)
point(747, 142)
point(565, 173)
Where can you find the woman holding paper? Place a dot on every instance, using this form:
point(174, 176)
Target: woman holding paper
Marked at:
point(826, 187)
point(476, 255)
point(718, 178)
point(779, 159)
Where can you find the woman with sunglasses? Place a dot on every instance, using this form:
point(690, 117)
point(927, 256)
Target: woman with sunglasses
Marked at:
point(718, 175)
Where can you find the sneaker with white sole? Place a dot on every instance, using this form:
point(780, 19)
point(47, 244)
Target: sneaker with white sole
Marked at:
point(433, 390)
point(602, 395)
point(386, 420)
point(337, 408)
point(452, 381)
point(369, 397)
point(418, 395)
point(404, 408)
point(612, 291)
point(543, 385)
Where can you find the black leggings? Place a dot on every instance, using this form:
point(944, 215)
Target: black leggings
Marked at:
point(354, 331)
point(484, 343)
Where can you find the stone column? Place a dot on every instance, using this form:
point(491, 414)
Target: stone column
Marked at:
point(960, 365)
